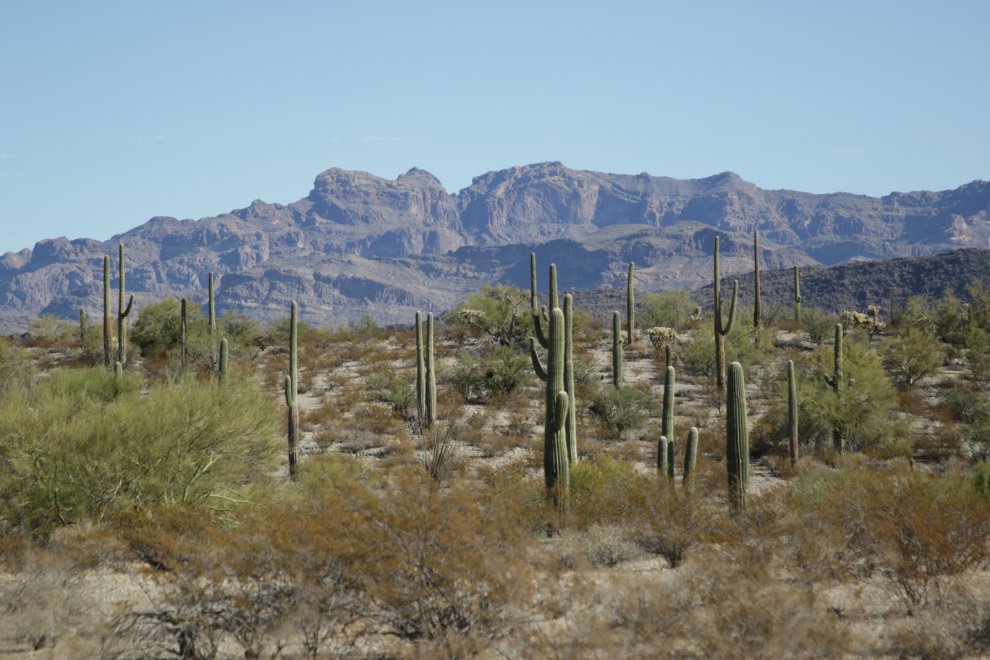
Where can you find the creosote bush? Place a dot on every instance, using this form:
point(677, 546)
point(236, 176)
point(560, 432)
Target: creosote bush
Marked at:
point(80, 444)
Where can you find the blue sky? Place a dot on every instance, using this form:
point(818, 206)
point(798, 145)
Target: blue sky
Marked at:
point(111, 113)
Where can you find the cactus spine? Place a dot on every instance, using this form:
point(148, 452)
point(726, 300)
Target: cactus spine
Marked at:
point(213, 309)
point(631, 307)
point(569, 378)
point(431, 374)
point(223, 362)
point(690, 456)
point(616, 350)
point(835, 380)
point(756, 279)
point(420, 373)
point(792, 411)
point(556, 458)
point(107, 323)
point(182, 329)
point(736, 438)
point(797, 295)
point(83, 325)
point(291, 392)
point(722, 330)
point(667, 418)
point(122, 315)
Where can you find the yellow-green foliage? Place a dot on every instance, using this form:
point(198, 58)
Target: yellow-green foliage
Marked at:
point(15, 367)
point(669, 310)
point(80, 443)
point(743, 345)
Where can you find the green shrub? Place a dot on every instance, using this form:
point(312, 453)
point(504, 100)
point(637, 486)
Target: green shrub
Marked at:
point(15, 367)
point(498, 372)
point(49, 329)
point(744, 345)
point(666, 310)
point(393, 389)
point(158, 326)
point(817, 324)
point(497, 312)
point(910, 356)
point(78, 444)
point(622, 409)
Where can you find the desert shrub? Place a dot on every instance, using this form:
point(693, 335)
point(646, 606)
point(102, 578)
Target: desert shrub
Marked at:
point(670, 309)
point(15, 367)
point(910, 356)
point(915, 529)
point(395, 389)
point(977, 343)
point(863, 412)
point(239, 328)
point(79, 444)
point(970, 407)
point(622, 409)
point(496, 312)
point(498, 372)
point(48, 329)
point(279, 329)
point(817, 324)
point(744, 345)
point(158, 326)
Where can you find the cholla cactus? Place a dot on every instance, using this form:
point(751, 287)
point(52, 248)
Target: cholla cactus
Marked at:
point(661, 336)
point(695, 315)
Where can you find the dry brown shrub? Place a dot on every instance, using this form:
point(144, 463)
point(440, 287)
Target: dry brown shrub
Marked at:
point(915, 529)
point(376, 418)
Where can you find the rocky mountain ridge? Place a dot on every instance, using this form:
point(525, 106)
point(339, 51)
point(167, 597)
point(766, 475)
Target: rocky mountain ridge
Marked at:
point(362, 244)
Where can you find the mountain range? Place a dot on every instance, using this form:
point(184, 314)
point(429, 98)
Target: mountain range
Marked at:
point(359, 244)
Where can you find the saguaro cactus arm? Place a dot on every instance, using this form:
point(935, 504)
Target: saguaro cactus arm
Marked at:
point(690, 456)
point(534, 307)
point(537, 367)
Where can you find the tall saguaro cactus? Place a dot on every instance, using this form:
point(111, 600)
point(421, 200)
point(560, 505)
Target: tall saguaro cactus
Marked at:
point(223, 362)
point(797, 295)
point(662, 455)
point(83, 325)
point(569, 378)
point(722, 330)
point(736, 438)
point(107, 323)
point(667, 416)
point(616, 350)
point(690, 457)
point(835, 380)
point(291, 393)
point(182, 329)
point(792, 412)
point(122, 315)
point(556, 461)
point(631, 306)
point(213, 308)
point(756, 280)
point(431, 374)
point(420, 373)
point(540, 313)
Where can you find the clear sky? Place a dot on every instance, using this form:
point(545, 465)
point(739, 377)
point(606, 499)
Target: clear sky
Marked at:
point(111, 113)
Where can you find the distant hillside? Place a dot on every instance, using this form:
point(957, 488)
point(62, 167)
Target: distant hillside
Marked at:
point(851, 286)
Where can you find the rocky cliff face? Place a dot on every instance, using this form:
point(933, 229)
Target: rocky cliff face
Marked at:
point(361, 244)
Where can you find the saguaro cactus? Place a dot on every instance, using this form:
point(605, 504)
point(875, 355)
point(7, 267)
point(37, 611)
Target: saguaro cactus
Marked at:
point(291, 393)
point(569, 377)
point(667, 416)
point(540, 313)
point(431, 374)
point(420, 373)
point(722, 330)
point(122, 315)
point(213, 309)
point(835, 380)
point(736, 438)
point(182, 329)
point(83, 325)
point(223, 362)
point(107, 323)
point(792, 411)
point(797, 295)
point(631, 306)
point(690, 456)
point(662, 455)
point(118, 372)
point(556, 460)
point(616, 350)
point(756, 280)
